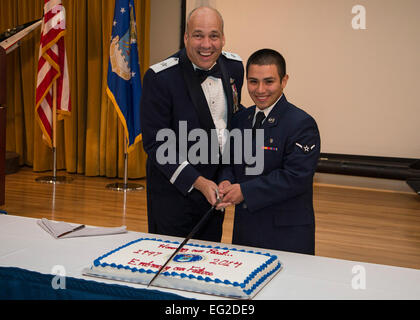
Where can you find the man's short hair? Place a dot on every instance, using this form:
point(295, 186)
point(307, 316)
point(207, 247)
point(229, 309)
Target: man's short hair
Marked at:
point(266, 57)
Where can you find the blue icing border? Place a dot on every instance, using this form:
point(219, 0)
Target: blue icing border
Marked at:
point(252, 275)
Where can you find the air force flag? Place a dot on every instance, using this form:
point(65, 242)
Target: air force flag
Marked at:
point(124, 82)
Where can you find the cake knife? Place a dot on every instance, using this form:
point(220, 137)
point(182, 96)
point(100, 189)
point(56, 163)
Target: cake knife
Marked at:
point(190, 235)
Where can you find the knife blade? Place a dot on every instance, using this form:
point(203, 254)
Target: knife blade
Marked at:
point(190, 235)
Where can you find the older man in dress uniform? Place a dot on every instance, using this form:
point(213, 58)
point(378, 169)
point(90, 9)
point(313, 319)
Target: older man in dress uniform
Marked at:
point(199, 87)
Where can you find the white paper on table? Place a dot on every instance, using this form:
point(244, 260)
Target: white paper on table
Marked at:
point(57, 228)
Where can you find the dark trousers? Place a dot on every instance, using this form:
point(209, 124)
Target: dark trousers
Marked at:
point(298, 239)
point(176, 215)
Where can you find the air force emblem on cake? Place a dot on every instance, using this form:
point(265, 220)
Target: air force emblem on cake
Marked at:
point(187, 258)
point(306, 148)
point(120, 50)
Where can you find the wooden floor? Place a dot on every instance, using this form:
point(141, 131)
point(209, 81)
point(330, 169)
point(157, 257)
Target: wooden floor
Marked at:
point(355, 224)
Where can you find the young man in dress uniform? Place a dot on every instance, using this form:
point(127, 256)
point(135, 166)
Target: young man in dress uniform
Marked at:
point(199, 87)
point(274, 210)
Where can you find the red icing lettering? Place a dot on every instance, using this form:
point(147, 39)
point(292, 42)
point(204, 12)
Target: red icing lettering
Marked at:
point(179, 269)
point(218, 252)
point(226, 263)
point(167, 246)
point(147, 264)
point(133, 261)
point(199, 270)
point(147, 253)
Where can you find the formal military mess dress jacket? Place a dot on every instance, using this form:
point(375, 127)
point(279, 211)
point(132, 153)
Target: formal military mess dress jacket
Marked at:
point(172, 98)
point(281, 197)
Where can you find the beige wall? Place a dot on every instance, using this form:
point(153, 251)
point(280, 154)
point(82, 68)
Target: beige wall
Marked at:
point(360, 85)
point(165, 29)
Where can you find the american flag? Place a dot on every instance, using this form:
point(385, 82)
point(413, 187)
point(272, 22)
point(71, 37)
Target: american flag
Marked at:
point(52, 66)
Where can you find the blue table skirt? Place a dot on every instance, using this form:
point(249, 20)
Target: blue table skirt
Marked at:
point(18, 284)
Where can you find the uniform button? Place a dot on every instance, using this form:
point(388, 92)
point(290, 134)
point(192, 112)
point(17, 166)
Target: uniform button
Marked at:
point(244, 206)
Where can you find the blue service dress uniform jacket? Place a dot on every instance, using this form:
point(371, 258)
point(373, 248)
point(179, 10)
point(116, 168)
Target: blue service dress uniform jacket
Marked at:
point(277, 211)
point(172, 97)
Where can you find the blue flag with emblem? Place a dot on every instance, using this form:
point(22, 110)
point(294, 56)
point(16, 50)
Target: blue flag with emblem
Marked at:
point(124, 79)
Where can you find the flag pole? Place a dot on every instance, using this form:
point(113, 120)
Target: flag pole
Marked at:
point(48, 40)
point(119, 86)
point(125, 186)
point(54, 179)
point(125, 161)
point(54, 123)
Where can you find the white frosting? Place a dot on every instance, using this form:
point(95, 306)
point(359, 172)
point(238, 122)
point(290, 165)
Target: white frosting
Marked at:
point(214, 270)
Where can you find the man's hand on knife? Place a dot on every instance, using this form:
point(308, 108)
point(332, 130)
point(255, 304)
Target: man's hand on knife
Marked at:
point(231, 194)
point(208, 188)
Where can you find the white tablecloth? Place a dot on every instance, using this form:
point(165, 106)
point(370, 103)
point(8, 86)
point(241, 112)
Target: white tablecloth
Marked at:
point(24, 244)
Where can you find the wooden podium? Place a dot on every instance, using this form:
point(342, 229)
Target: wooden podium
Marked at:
point(2, 124)
point(9, 41)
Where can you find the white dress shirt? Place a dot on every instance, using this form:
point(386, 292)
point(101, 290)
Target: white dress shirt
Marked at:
point(217, 102)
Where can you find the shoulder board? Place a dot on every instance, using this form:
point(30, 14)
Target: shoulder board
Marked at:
point(158, 67)
point(232, 56)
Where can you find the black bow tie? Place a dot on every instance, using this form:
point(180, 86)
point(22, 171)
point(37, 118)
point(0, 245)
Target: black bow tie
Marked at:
point(213, 72)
